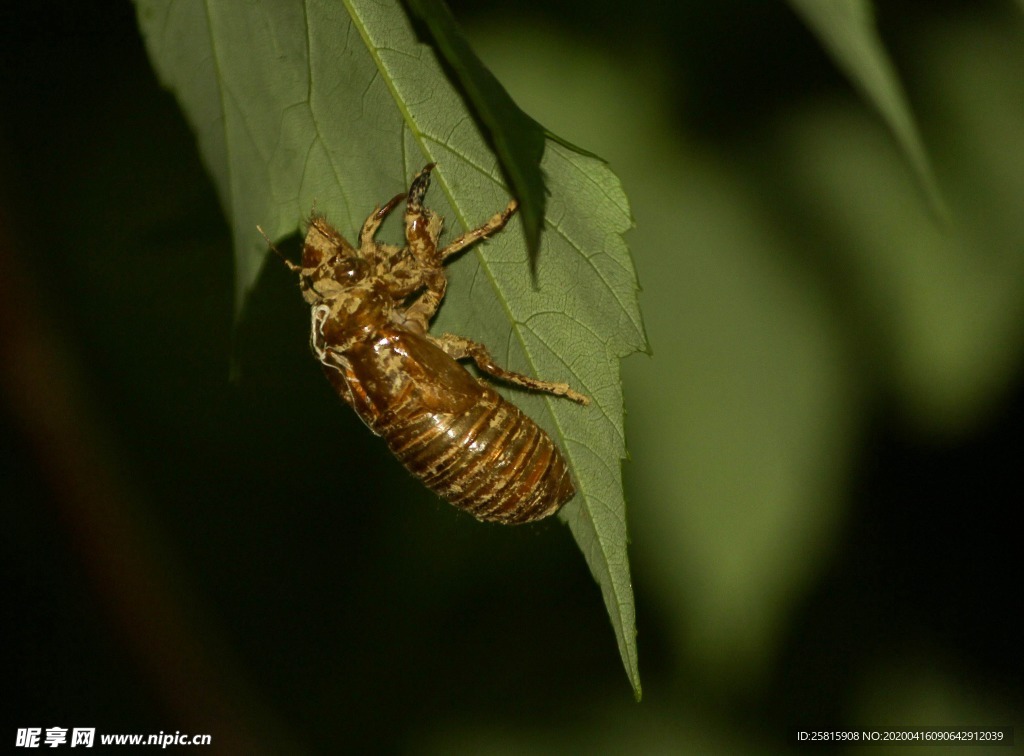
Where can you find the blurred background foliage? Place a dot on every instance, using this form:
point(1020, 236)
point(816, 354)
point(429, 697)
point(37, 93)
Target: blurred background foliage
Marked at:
point(825, 444)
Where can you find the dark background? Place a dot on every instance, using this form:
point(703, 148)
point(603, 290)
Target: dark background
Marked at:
point(185, 552)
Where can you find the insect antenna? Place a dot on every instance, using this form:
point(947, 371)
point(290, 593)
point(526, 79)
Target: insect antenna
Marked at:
point(291, 266)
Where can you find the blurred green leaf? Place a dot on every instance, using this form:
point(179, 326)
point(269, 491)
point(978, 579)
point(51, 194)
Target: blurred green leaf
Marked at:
point(847, 30)
point(339, 104)
point(944, 307)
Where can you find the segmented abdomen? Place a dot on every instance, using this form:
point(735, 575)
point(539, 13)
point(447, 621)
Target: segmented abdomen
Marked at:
point(490, 459)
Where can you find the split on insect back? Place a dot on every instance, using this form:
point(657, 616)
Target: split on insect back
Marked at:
point(371, 307)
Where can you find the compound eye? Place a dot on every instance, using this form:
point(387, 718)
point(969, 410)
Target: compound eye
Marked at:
point(348, 270)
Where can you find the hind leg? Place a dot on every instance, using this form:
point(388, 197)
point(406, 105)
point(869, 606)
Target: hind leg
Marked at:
point(459, 348)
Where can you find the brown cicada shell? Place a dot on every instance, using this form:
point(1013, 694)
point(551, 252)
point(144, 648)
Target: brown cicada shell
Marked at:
point(371, 311)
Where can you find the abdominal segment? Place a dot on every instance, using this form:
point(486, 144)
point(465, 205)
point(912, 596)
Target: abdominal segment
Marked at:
point(490, 460)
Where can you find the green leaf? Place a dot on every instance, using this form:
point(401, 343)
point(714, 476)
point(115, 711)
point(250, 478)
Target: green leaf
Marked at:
point(847, 30)
point(517, 139)
point(338, 103)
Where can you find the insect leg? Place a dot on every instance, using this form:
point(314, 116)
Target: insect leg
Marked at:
point(459, 348)
point(376, 218)
point(419, 186)
point(417, 316)
point(422, 226)
point(494, 224)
